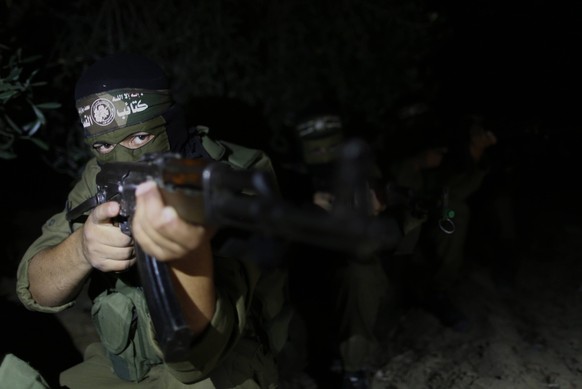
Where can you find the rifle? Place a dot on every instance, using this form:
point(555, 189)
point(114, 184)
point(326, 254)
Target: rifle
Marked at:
point(213, 193)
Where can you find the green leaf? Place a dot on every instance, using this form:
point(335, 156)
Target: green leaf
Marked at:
point(32, 58)
point(28, 82)
point(14, 74)
point(52, 105)
point(38, 83)
point(32, 127)
point(38, 113)
point(7, 141)
point(7, 95)
point(7, 155)
point(13, 125)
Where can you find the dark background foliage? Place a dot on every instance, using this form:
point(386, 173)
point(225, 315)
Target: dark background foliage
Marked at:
point(248, 68)
point(270, 58)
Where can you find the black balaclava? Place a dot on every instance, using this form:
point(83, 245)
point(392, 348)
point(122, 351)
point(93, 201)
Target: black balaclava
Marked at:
point(127, 93)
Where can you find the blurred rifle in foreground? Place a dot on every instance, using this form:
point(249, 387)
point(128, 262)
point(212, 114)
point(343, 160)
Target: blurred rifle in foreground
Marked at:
point(213, 193)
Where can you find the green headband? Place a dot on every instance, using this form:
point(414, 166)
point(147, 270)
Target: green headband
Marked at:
point(104, 112)
point(319, 126)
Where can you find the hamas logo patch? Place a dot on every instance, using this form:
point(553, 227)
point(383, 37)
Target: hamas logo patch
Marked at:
point(102, 112)
point(107, 111)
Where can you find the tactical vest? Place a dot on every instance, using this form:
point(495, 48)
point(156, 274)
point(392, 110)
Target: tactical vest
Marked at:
point(120, 312)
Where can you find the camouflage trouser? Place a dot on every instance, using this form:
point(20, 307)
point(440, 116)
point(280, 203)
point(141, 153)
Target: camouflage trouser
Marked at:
point(247, 367)
point(434, 263)
point(337, 302)
point(362, 287)
point(449, 249)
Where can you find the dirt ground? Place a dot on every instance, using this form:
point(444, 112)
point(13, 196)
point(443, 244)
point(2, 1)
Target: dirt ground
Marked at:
point(528, 337)
point(522, 336)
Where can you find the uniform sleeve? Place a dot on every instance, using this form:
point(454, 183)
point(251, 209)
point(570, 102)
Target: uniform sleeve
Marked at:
point(235, 282)
point(54, 231)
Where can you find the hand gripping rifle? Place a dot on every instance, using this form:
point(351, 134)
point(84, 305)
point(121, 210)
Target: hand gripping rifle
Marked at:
point(214, 193)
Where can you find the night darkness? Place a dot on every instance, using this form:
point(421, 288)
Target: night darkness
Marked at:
point(517, 60)
point(514, 63)
point(247, 70)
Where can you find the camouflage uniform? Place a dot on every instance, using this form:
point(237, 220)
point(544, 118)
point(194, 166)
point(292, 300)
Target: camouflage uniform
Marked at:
point(337, 296)
point(432, 262)
point(231, 353)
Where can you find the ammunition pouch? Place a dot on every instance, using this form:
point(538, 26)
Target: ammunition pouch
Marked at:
point(123, 324)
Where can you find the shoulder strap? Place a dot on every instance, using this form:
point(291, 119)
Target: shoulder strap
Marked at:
point(236, 155)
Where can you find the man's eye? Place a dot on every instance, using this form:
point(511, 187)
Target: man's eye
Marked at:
point(138, 140)
point(103, 148)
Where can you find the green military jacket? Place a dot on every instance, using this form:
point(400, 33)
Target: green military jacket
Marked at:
point(236, 281)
